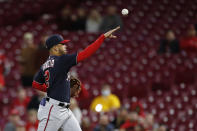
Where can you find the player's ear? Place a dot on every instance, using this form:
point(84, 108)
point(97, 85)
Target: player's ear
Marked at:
point(55, 48)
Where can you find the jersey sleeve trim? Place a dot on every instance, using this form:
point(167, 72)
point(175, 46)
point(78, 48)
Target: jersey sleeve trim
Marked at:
point(38, 86)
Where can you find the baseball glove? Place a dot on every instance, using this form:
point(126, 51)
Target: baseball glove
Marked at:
point(75, 86)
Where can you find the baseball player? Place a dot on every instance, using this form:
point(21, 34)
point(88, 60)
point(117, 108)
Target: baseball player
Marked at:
point(54, 112)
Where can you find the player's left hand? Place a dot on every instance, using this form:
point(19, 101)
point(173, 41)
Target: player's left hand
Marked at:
point(75, 86)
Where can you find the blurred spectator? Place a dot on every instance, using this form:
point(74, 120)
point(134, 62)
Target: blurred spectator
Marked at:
point(27, 59)
point(139, 128)
point(65, 21)
point(162, 127)
point(137, 107)
point(121, 118)
point(83, 95)
point(35, 100)
point(14, 118)
point(75, 109)
point(80, 23)
point(142, 121)
point(72, 22)
point(2, 70)
point(131, 122)
point(149, 121)
point(190, 41)
point(42, 52)
point(104, 124)
point(32, 123)
point(86, 125)
point(93, 21)
point(106, 102)
point(20, 103)
point(111, 20)
point(169, 43)
point(20, 126)
point(196, 27)
point(5, 67)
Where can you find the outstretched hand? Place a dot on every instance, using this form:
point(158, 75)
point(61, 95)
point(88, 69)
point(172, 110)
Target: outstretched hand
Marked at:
point(109, 33)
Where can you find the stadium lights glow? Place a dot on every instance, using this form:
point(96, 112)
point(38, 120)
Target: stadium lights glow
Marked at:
point(98, 108)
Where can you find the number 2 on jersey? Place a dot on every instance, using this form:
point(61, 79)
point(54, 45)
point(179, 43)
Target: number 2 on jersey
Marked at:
point(47, 76)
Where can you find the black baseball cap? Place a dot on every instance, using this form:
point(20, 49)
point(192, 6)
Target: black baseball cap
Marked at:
point(54, 40)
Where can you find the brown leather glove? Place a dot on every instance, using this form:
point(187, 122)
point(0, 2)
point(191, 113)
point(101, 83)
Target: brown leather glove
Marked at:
point(75, 86)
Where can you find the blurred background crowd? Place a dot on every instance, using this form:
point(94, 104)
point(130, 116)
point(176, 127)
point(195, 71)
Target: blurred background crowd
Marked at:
point(145, 80)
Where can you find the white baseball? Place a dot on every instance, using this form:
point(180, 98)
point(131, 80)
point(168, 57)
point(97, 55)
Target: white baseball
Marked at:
point(125, 12)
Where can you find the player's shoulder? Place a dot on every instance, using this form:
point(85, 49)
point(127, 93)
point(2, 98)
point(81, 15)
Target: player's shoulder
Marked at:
point(68, 56)
point(41, 70)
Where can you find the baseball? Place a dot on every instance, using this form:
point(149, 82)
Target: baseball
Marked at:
point(125, 12)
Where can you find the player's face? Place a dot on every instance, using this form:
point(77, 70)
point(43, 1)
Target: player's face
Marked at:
point(62, 49)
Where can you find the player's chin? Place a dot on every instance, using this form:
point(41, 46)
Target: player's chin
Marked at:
point(74, 96)
point(64, 52)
